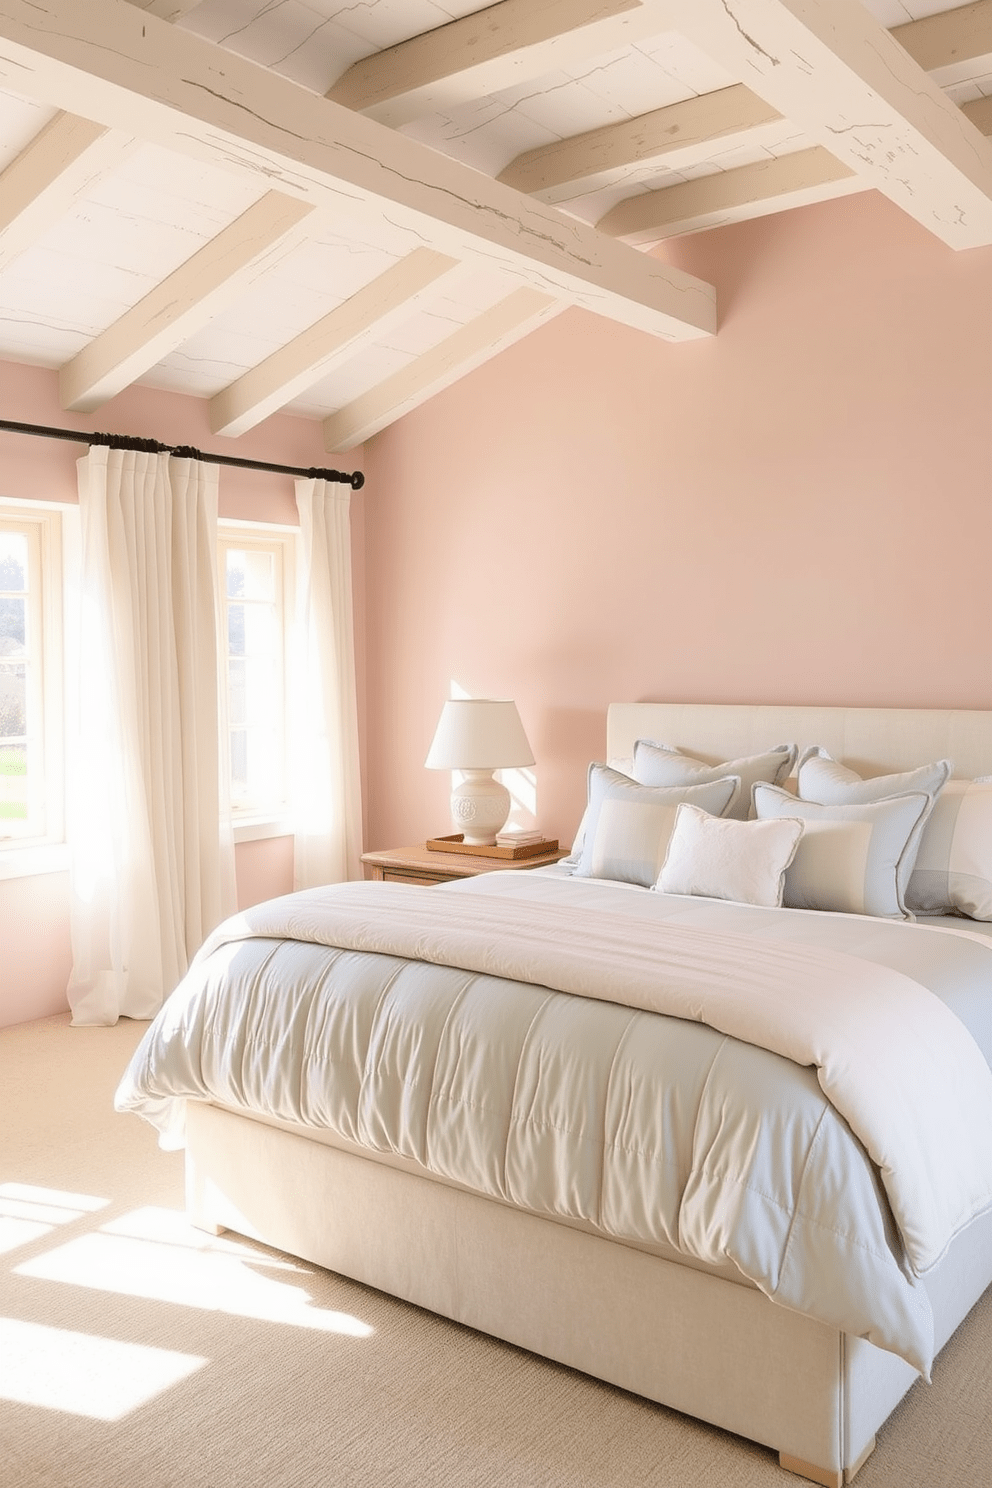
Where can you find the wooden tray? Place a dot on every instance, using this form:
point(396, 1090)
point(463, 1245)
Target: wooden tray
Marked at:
point(458, 844)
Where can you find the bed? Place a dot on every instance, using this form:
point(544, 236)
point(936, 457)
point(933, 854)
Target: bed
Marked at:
point(659, 1295)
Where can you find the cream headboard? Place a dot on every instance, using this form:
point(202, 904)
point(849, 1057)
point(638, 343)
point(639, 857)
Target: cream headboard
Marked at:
point(873, 741)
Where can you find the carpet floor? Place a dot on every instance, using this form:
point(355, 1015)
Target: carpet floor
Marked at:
point(136, 1352)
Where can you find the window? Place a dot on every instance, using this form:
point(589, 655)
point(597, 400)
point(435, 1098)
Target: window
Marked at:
point(256, 588)
point(31, 787)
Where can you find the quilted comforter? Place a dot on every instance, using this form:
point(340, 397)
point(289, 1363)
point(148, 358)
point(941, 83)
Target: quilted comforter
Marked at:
point(806, 1097)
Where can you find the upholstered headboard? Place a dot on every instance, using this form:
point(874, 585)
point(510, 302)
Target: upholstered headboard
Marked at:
point(873, 741)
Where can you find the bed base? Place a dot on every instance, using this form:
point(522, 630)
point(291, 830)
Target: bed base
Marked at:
point(682, 1337)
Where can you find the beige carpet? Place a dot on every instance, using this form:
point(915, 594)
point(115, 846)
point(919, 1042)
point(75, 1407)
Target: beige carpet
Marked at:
point(137, 1353)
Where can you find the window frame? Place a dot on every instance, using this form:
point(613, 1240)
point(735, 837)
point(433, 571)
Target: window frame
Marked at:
point(42, 524)
point(256, 818)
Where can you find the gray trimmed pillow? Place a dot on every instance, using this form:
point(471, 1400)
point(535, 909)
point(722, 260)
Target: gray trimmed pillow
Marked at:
point(853, 859)
point(744, 861)
point(664, 764)
point(628, 826)
point(953, 869)
point(823, 779)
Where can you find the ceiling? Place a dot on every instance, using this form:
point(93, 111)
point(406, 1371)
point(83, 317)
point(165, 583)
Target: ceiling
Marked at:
point(337, 207)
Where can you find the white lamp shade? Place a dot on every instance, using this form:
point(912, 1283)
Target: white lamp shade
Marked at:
point(479, 734)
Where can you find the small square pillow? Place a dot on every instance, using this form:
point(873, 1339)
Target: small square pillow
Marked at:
point(628, 825)
point(742, 861)
point(953, 869)
point(854, 859)
point(663, 764)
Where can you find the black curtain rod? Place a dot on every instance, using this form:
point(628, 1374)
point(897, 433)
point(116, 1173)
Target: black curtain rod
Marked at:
point(355, 480)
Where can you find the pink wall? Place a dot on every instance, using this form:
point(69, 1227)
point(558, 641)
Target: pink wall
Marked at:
point(35, 955)
point(797, 510)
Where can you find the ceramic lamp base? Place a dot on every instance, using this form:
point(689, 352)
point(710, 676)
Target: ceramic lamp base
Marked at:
point(479, 807)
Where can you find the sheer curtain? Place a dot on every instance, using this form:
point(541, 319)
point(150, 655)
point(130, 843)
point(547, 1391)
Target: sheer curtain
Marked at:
point(327, 795)
point(150, 872)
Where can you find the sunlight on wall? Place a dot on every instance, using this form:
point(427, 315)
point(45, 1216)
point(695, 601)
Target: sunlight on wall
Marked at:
point(28, 1212)
point(156, 1254)
point(84, 1375)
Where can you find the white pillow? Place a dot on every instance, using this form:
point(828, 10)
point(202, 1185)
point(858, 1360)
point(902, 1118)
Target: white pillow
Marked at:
point(663, 764)
point(628, 826)
point(953, 870)
point(854, 859)
point(743, 861)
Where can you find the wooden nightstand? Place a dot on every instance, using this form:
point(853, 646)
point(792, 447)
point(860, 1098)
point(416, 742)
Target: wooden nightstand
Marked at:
point(422, 865)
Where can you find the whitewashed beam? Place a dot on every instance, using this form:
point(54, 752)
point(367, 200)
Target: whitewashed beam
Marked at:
point(369, 314)
point(979, 111)
point(59, 165)
point(770, 185)
point(500, 47)
point(461, 352)
point(183, 303)
point(62, 163)
point(950, 44)
point(110, 62)
point(166, 10)
point(827, 66)
point(677, 136)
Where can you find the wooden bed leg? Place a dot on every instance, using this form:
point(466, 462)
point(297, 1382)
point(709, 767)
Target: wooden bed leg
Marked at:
point(206, 1225)
point(830, 1477)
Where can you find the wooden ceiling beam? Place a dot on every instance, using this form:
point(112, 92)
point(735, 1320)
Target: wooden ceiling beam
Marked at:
point(369, 314)
point(950, 44)
point(181, 304)
point(842, 79)
point(41, 184)
point(770, 185)
point(682, 134)
point(500, 47)
point(464, 350)
point(112, 63)
point(677, 136)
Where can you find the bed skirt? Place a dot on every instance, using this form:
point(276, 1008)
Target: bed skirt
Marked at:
point(690, 1340)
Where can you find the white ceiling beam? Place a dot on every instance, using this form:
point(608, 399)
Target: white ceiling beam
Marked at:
point(59, 165)
point(114, 64)
point(166, 10)
point(62, 163)
point(676, 136)
point(463, 351)
point(182, 304)
point(681, 135)
point(830, 69)
point(747, 191)
point(500, 47)
point(950, 44)
point(770, 185)
point(368, 315)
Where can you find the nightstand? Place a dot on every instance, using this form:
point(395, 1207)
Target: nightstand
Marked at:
point(422, 865)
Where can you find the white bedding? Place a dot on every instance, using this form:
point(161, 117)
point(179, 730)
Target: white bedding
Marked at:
point(416, 1041)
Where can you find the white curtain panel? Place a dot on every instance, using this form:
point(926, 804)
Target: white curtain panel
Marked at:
point(326, 778)
point(149, 874)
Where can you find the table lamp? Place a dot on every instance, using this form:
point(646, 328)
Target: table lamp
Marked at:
point(478, 736)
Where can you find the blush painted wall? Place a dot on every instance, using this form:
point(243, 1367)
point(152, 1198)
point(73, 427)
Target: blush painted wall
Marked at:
point(35, 954)
point(796, 511)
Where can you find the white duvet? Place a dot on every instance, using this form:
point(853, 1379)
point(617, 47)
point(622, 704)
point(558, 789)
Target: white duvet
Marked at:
point(621, 1119)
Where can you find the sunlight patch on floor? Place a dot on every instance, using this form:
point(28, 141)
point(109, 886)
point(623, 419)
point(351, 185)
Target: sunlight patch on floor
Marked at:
point(28, 1212)
point(83, 1375)
point(156, 1254)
